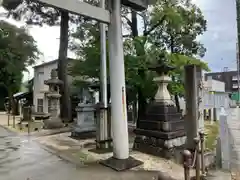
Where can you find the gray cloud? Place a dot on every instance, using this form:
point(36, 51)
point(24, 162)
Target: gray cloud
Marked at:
point(220, 38)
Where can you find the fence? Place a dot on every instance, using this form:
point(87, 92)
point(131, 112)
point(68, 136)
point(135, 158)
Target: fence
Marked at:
point(229, 142)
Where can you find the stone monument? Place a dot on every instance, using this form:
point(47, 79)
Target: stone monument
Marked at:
point(85, 121)
point(53, 95)
point(162, 130)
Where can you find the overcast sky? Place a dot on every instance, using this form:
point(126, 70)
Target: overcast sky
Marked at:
point(220, 38)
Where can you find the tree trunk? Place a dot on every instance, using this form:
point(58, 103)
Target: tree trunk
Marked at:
point(65, 103)
point(141, 99)
point(135, 112)
point(177, 102)
point(11, 103)
point(173, 78)
point(134, 26)
point(176, 98)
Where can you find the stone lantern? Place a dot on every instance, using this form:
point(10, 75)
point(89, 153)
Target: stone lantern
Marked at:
point(162, 130)
point(53, 97)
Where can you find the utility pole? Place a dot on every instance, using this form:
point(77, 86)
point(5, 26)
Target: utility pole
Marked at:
point(238, 47)
point(238, 74)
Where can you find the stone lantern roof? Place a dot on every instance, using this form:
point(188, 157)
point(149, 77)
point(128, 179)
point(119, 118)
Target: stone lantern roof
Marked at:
point(161, 66)
point(54, 79)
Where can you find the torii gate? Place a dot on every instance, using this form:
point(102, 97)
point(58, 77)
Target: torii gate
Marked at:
point(112, 18)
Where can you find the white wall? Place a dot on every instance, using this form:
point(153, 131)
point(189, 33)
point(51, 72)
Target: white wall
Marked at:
point(215, 85)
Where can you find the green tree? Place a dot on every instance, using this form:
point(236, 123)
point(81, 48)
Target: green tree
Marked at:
point(183, 23)
point(168, 27)
point(18, 49)
point(34, 13)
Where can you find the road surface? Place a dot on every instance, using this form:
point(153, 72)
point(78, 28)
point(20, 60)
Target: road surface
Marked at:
point(21, 158)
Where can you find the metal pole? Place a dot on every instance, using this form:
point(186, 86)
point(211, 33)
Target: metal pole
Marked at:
point(103, 60)
point(196, 140)
point(238, 74)
point(201, 134)
point(103, 124)
point(117, 84)
point(187, 163)
point(238, 47)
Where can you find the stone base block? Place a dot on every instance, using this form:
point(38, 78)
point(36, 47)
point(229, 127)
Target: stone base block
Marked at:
point(53, 123)
point(121, 164)
point(79, 130)
point(83, 133)
point(169, 149)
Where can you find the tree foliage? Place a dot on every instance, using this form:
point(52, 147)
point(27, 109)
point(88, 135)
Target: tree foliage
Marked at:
point(35, 13)
point(170, 27)
point(18, 50)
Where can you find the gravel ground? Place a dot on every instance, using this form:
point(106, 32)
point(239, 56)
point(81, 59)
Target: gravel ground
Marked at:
point(62, 142)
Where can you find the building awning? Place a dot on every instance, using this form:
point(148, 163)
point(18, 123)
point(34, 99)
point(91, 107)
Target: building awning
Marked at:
point(21, 95)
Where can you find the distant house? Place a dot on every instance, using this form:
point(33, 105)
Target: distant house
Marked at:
point(41, 73)
point(230, 78)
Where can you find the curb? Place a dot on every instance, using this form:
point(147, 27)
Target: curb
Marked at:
point(49, 133)
point(36, 134)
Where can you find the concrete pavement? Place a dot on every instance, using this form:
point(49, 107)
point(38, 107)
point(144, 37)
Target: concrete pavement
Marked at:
point(21, 158)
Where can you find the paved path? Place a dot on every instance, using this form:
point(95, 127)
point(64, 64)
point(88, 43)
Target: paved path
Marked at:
point(22, 158)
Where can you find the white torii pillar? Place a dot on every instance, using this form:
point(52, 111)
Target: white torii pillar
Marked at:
point(121, 159)
point(117, 84)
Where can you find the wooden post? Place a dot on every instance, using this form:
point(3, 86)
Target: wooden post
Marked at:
point(191, 95)
point(13, 121)
point(29, 118)
point(8, 117)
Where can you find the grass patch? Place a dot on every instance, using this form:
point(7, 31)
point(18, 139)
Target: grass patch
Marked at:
point(212, 131)
point(84, 156)
point(11, 128)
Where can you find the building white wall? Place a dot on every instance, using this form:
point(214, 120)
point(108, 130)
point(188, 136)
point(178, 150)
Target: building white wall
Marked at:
point(215, 85)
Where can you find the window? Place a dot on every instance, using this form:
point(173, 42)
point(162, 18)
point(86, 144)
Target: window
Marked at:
point(40, 79)
point(234, 77)
point(39, 105)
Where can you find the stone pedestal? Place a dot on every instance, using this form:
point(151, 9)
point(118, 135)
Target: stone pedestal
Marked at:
point(85, 122)
point(162, 130)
